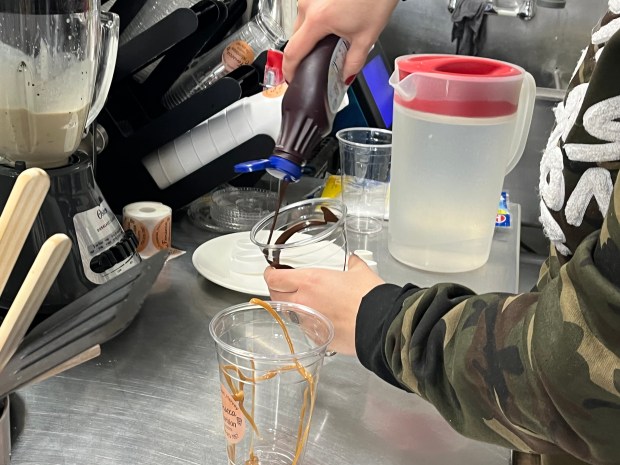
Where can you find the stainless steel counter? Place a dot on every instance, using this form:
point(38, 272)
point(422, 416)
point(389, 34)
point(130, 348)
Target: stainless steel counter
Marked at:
point(152, 397)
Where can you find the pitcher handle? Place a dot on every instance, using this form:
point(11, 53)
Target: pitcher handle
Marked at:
point(527, 100)
point(106, 63)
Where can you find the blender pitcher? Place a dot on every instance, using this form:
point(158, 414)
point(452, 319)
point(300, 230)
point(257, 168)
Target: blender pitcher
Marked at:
point(460, 125)
point(57, 63)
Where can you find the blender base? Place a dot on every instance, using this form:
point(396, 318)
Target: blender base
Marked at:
point(74, 206)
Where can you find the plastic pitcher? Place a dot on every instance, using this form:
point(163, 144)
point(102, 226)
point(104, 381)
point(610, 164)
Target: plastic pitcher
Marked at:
point(460, 125)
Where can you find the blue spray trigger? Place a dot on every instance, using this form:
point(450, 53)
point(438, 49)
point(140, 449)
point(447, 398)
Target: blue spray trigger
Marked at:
point(278, 167)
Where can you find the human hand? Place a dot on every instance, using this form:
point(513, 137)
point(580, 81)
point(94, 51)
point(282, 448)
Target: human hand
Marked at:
point(335, 294)
point(357, 21)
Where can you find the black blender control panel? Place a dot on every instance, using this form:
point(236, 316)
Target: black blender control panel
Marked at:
point(124, 249)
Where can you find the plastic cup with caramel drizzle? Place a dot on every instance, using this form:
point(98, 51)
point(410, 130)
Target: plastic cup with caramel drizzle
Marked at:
point(239, 396)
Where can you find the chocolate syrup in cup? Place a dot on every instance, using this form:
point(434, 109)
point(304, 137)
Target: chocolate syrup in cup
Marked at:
point(304, 234)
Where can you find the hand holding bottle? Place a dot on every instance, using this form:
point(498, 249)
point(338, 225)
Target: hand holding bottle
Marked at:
point(359, 22)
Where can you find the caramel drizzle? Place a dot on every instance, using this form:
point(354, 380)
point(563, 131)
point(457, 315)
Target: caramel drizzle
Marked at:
point(239, 395)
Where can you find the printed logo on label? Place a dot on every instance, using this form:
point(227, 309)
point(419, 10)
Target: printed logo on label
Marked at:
point(161, 234)
point(236, 54)
point(336, 87)
point(97, 230)
point(234, 421)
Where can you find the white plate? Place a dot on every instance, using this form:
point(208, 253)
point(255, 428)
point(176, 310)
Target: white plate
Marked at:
point(234, 262)
point(213, 259)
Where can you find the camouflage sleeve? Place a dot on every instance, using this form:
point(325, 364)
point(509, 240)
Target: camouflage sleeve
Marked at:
point(540, 371)
point(537, 372)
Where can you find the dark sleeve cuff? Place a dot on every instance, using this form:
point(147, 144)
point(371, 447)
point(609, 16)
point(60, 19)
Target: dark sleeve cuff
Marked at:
point(377, 311)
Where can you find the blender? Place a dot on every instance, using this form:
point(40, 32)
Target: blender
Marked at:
point(58, 58)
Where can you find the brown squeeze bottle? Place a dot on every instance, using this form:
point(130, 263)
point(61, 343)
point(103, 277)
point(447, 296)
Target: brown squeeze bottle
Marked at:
point(309, 107)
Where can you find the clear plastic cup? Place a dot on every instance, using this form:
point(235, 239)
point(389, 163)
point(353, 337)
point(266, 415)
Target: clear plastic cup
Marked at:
point(315, 235)
point(365, 159)
point(269, 387)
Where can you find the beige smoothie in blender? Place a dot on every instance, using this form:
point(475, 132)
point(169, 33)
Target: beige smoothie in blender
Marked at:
point(43, 119)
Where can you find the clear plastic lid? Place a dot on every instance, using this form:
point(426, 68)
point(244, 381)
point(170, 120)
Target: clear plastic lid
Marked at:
point(233, 208)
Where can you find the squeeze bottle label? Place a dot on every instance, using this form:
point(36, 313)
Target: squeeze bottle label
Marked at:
point(336, 87)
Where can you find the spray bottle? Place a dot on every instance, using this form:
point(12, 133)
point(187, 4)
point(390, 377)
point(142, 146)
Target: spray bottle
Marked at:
point(309, 107)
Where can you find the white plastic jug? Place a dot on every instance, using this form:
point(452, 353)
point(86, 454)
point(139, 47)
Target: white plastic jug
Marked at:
point(460, 125)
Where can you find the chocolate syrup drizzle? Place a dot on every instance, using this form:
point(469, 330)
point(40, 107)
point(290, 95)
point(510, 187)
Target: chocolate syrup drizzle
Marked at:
point(328, 217)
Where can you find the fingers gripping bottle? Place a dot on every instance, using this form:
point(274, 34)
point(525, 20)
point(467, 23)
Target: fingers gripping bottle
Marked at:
point(309, 107)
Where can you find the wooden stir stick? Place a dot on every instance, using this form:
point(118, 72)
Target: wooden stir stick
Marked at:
point(33, 290)
point(20, 211)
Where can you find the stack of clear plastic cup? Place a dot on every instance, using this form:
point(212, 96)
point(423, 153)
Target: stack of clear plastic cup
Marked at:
point(240, 48)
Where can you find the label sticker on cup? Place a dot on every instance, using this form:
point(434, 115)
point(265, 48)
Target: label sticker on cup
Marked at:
point(234, 421)
point(236, 54)
point(275, 92)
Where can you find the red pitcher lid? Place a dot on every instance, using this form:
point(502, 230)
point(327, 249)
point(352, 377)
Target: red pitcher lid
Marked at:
point(456, 85)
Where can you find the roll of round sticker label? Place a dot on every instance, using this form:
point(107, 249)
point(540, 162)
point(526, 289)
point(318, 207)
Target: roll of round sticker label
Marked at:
point(234, 421)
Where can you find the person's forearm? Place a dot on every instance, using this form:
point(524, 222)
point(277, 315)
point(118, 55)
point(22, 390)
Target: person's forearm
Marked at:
point(536, 372)
point(525, 372)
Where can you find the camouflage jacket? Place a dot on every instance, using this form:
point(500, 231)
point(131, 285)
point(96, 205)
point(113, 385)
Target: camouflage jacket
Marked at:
point(540, 371)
